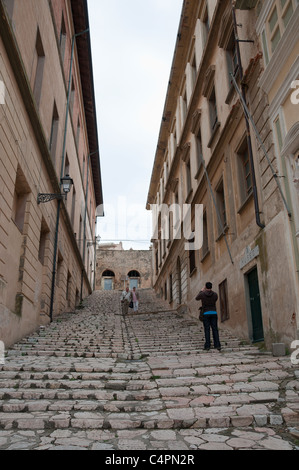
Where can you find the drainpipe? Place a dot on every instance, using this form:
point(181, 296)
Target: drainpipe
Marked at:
point(68, 98)
point(84, 223)
point(249, 143)
point(61, 176)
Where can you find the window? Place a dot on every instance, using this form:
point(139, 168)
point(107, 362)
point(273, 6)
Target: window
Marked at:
point(205, 237)
point(108, 279)
point(78, 132)
point(192, 261)
point(170, 289)
point(77, 302)
point(72, 97)
point(108, 273)
point(173, 141)
point(44, 232)
point(278, 132)
point(20, 200)
point(199, 153)
point(67, 166)
point(245, 176)
point(188, 178)
point(232, 57)
point(80, 234)
point(223, 298)
point(276, 24)
point(170, 225)
point(39, 68)
point(68, 289)
point(220, 200)
point(83, 171)
point(54, 133)
point(193, 69)
point(213, 111)
point(73, 206)
point(184, 105)
point(9, 7)
point(62, 38)
point(177, 214)
point(179, 281)
point(59, 269)
point(206, 23)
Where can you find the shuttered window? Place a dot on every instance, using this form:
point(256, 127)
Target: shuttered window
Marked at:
point(223, 298)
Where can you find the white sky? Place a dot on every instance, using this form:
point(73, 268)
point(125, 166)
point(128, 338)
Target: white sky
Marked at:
point(132, 45)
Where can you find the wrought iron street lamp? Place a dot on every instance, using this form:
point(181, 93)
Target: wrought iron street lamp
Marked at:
point(66, 183)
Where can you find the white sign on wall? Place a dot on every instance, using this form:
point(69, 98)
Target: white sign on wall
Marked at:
point(249, 256)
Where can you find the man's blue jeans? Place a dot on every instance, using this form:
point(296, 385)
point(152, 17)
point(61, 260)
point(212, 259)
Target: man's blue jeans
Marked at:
point(211, 321)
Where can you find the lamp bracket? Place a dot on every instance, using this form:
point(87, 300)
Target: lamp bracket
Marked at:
point(46, 197)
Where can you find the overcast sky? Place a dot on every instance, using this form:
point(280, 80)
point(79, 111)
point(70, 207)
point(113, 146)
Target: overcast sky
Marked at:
point(133, 43)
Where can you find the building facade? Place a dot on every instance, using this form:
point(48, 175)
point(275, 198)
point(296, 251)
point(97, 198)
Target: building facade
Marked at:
point(118, 268)
point(48, 129)
point(227, 162)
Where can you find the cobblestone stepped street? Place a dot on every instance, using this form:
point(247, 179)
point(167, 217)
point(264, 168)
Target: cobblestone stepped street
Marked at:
point(96, 380)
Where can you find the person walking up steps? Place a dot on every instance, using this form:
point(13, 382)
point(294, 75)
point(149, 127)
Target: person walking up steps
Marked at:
point(209, 298)
point(125, 300)
point(135, 299)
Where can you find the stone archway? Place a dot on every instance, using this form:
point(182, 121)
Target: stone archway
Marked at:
point(134, 279)
point(108, 280)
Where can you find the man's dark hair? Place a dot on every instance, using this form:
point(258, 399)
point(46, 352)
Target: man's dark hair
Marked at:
point(209, 285)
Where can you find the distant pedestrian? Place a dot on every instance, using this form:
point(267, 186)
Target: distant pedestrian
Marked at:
point(135, 299)
point(125, 300)
point(209, 298)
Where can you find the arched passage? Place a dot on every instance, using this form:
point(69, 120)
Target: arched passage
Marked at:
point(108, 278)
point(134, 278)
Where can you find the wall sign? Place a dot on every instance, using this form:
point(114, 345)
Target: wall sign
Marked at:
point(249, 256)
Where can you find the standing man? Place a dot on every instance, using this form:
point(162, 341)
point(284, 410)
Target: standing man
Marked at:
point(209, 298)
point(125, 300)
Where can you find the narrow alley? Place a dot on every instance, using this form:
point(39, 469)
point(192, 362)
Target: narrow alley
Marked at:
point(95, 380)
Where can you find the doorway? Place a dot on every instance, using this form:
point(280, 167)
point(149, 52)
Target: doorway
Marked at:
point(256, 318)
point(108, 278)
point(107, 284)
point(134, 277)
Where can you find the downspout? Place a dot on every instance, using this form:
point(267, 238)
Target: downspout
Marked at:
point(84, 223)
point(249, 143)
point(61, 176)
point(68, 98)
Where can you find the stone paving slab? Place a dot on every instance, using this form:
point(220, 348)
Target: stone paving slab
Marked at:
point(96, 380)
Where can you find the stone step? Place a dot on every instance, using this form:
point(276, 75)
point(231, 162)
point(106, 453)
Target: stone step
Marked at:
point(95, 370)
point(224, 416)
